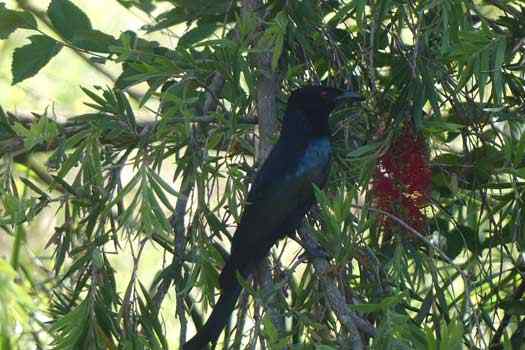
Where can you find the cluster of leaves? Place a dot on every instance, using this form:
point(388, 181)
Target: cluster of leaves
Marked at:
point(453, 69)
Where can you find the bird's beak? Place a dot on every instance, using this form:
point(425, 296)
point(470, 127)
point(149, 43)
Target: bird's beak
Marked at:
point(349, 96)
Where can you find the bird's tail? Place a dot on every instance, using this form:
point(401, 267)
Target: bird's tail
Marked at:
point(217, 321)
point(240, 264)
point(228, 277)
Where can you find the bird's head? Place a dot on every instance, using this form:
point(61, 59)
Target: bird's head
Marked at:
point(320, 98)
point(315, 103)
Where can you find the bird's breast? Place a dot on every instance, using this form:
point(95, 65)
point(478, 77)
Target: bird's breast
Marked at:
point(316, 156)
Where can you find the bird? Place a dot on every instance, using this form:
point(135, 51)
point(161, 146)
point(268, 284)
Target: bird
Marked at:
point(279, 197)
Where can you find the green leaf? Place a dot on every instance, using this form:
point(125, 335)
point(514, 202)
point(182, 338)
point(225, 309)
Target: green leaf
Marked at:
point(279, 28)
point(455, 244)
point(482, 74)
point(365, 150)
point(67, 18)
point(71, 161)
point(451, 336)
point(437, 126)
point(159, 222)
point(12, 20)
point(277, 51)
point(201, 32)
point(519, 172)
point(42, 130)
point(30, 59)
point(5, 128)
point(499, 59)
point(168, 19)
point(514, 307)
point(385, 304)
point(165, 186)
point(159, 192)
point(468, 237)
point(215, 139)
point(96, 98)
point(72, 328)
point(34, 187)
point(125, 79)
point(144, 5)
point(269, 329)
point(94, 40)
point(215, 224)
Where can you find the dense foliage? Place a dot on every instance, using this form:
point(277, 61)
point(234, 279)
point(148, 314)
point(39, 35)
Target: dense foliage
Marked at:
point(422, 220)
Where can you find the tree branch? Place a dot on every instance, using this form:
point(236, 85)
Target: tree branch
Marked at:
point(334, 296)
point(495, 344)
point(267, 89)
point(15, 145)
point(177, 219)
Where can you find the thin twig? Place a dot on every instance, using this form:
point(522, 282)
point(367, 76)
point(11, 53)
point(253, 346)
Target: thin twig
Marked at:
point(15, 144)
point(334, 296)
point(418, 235)
point(495, 344)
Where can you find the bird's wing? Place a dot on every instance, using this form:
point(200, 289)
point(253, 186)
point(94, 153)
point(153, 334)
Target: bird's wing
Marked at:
point(278, 164)
point(282, 191)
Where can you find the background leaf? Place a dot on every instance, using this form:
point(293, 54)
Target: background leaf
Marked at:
point(67, 18)
point(30, 59)
point(11, 20)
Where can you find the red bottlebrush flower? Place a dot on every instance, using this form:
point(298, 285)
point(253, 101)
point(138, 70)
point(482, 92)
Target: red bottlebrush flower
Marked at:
point(402, 180)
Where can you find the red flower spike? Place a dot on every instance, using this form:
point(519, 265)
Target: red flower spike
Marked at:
point(402, 181)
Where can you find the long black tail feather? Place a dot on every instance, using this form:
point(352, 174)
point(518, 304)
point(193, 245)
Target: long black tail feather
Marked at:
point(217, 321)
point(228, 277)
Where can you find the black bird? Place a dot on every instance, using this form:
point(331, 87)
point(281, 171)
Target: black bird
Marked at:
point(280, 196)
